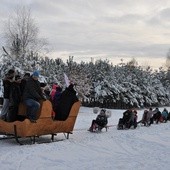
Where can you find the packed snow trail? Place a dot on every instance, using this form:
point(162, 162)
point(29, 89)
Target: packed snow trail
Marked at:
point(142, 149)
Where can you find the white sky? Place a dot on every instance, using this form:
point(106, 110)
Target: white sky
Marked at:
point(111, 29)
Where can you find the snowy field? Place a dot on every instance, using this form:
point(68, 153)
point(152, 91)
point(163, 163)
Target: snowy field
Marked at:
point(140, 149)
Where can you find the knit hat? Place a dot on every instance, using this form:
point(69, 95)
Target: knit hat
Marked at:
point(35, 74)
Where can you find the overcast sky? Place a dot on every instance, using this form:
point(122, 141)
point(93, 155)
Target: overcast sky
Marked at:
point(112, 29)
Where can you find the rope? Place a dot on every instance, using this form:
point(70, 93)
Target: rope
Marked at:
point(82, 129)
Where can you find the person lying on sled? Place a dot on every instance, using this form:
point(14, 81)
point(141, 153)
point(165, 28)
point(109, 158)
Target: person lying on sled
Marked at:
point(100, 122)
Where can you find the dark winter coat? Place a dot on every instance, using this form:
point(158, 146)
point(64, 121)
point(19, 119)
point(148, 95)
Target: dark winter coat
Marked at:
point(32, 90)
point(23, 84)
point(6, 84)
point(56, 98)
point(15, 94)
point(165, 114)
point(127, 116)
point(157, 116)
point(14, 100)
point(67, 99)
point(101, 120)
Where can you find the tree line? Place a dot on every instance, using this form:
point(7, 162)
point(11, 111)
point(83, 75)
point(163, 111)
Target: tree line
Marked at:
point(100, 83)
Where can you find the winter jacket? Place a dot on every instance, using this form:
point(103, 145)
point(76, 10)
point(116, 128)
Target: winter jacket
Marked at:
point(6, 84)
point(67, 99)
point(52, 93)
point(33, 90)
point(15, 94)
point(165, 114)
point(57, 98)
point(127, 116)
point(157, 115)
point(101, 120)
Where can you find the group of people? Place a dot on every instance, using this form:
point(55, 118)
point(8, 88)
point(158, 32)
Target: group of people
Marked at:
point(150, 116)
point(16, 90)
point(128, 120)
point(30, 92)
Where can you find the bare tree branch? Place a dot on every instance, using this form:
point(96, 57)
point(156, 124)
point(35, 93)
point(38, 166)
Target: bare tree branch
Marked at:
point(22, 26)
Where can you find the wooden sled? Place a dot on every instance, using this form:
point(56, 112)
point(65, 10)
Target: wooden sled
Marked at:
point(45, 124)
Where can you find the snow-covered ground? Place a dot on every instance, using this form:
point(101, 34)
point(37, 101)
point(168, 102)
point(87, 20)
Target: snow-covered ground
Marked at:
point(140, 149)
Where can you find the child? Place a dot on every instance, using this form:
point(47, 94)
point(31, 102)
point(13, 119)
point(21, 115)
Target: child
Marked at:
point(100, 122)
